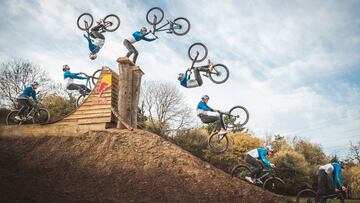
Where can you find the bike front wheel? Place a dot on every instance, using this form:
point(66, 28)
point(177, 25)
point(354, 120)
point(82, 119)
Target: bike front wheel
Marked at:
point(10, 118)
point(154, 16)
point(274, 185)
point(96, 76)
point(306, 196)
point(241, 171)
point(238, 117)
point(219, 74)
point(181, 26)
point(197, 52)
point(218, 143)
point(112, 23)
point(85, 21)
point(42, 116)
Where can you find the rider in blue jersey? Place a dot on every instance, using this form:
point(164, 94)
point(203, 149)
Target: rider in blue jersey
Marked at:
point(185, 78)
point(329, 178)
point(95, 39)
point(135, 37)
point(69, 79)
point(257, 158)
point(24, 100)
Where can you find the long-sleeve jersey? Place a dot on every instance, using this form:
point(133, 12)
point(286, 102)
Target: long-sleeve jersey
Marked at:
point(69, 77)
point(29, 91)
point(260, 154)
point(137, 36)
point(95, 46)
point(334, 169)
point(203, 108)
point(183, 82)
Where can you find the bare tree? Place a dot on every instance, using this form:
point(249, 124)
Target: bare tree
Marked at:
point(165, 107)
point(354, 152)
point(15, 75)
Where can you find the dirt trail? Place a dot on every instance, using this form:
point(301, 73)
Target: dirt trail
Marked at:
point(113, 166)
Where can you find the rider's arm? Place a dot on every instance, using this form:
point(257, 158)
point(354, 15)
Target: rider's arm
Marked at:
point(142, 36)
point(262, 154)
point(88, 38)
point(33, 94)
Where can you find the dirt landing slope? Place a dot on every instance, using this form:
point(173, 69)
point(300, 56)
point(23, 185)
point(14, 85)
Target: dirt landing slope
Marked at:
point(113, 166)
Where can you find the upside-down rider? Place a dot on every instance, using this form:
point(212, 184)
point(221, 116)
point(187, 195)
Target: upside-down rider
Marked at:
point(185, 78)
point(204, 113)
point(257, 158)
point(95, 39)
point(69, 80)
point(135, 37)
point(329, 178)
point(25, 102)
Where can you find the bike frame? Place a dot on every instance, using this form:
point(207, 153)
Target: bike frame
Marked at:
point(161, 28)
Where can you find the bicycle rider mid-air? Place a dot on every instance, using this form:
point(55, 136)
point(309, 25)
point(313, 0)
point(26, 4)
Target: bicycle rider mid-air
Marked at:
point(203, 112)
point(257, 158)
point(329, 176)
point(95, 39)
point(69, 79)
point(24, 100)
point(135, 37)
point(185, 80)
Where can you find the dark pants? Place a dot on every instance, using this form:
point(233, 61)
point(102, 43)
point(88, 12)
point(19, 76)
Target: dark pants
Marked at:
point(94, 32)
point(325, 184)
point(81, 88)
point(197, 73)
point(258, 166)
point(131, 50)
point(26, 106)
point(212, 119)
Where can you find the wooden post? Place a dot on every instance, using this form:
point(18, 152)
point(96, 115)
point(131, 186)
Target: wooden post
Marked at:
point(129, 92)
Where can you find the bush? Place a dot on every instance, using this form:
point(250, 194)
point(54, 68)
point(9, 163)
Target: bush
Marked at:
point(193, 140)
point(355, 182)
point(58, 106)
point(312, 152)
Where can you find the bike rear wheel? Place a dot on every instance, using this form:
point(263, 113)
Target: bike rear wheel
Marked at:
point(85, 17)
point(218, 143)
point(306, 196)
point(95, 77)
point(10, 118)
point(112, 23)
point(241, 171)
point(197, 48)
point(219, 74)
point(181, 26)
point(238, 116)
point(42, 116)
point(274, 185)
point(154, 16)
point(80, 100)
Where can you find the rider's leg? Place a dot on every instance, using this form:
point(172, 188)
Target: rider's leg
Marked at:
point(136, 54)
point(211, 119)
point(322, 185)
point(129, 47)
point(23, 108)
point(81, 88)
point(198, 76)
point(256, 164)
point(94, 32)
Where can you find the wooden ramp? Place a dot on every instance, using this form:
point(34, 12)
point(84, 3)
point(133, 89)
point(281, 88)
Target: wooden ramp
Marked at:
point(94, 114)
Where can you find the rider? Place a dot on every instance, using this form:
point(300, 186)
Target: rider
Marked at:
point(185, 80)
point(203, 113)
point(329, 176)
point(135, 37)
point(98, 40)
point(23, 100)
point(69, 79)
point(257, 158)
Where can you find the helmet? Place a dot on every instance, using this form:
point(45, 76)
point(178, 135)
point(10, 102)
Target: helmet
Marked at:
point(92, 56)
point(35, 83)
point(343, 162)
point(143, 29)
point(66, 67)
point(181, 76)
point(205, 97)
point(269, 148)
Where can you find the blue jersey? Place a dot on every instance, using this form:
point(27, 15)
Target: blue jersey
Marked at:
point(138, 36)
point(92, 47)
point(183, 82)
point(29, 91)
point(203, 106)
point(262, 156)
point(337, 174)
point(68, 74)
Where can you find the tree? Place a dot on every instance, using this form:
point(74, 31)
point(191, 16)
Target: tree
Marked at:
point(313, 153)
point(165, 107)
point(15, 75)
point(354, 152)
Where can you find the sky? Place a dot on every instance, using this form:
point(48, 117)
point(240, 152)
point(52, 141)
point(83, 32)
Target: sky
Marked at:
point(295, 65)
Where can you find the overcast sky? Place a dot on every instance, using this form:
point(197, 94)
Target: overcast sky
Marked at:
point(294, 64)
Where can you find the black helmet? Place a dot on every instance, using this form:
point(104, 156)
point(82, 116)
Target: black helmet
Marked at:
point(65, 67)
point(205, 97)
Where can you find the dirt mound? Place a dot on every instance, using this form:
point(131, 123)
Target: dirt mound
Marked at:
point(113, 166)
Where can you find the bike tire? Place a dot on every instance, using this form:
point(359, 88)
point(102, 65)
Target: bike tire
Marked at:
point(83, 27)
point(240, 171)
point(275, 185)
point(96, 76)
point(116, 23)
point(223, 145)
point(41, 117)
point(10, 118)
point(217, 72)
point(149, 17)
point(193, 49)
point(235, 112)
point(306, 195)
point(181, 21)
point(80, 100)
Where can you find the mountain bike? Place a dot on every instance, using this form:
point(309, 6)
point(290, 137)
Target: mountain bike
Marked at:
point(237, 117)
point(37, 115)
point(86, 20)
point(90, 80)
point(217, 73)
point(178, 26)
point(310, 196)
point(267, 180)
